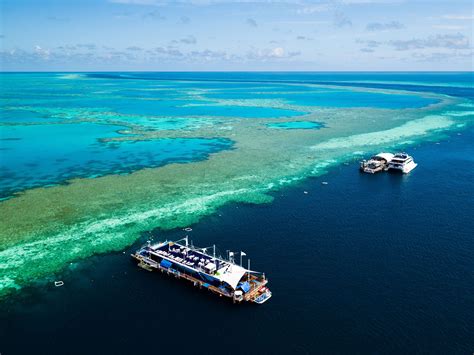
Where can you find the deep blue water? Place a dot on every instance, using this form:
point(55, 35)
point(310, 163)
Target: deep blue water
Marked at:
point(428, 77)
point(409, 81)
point(366, 264)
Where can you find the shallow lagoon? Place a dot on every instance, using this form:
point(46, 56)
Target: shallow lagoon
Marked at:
point(296, 125)
point(39, 155)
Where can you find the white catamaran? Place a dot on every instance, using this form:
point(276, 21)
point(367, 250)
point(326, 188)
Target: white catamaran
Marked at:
point(402, 162)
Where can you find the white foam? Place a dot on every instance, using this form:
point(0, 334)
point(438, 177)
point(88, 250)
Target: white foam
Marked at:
point(460, 113)
point(71, 76)
point(467, 104)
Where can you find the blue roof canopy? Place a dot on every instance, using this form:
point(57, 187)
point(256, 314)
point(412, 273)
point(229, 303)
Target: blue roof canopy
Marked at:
point(245, 286)
point(165, 263)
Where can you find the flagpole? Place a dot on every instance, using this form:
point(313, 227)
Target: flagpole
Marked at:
point(248, 269)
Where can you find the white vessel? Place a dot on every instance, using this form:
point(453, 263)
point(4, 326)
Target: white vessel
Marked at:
point(377, 163)
point(402, 162)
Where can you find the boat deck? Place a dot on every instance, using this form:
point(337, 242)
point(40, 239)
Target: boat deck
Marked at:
point(251, 295)
point(188, 257)
point(218, 275)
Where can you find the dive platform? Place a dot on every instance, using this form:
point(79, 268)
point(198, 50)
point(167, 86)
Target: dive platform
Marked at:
point(220, 276)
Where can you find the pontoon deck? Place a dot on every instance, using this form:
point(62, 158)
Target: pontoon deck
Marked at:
point(220, 276)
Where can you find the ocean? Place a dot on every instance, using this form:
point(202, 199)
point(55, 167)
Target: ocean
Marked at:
point(363, 264)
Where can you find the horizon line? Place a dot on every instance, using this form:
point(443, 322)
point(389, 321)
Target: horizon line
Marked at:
point(236, 71)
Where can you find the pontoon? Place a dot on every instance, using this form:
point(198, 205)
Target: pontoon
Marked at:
point(377, 163)
point(204, 270)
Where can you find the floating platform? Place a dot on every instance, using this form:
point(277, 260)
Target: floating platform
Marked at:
point(220, 276)
point(376, 163)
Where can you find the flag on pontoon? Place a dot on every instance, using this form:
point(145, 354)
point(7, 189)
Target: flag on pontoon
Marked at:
point(242, 253)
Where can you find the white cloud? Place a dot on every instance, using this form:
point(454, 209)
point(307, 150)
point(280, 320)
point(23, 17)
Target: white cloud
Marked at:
point(459, 17)
point(278, 52)
point(270, 54)
point(362, 2)
point(376, 26)
point(251, 22)
point(136, 2)
point(185, 20)
point(153, 15)
point(341, 20)
point(189, 2)
point(307, 6)
point(442, 56)
point(311, 9)
point(309, 23)
point(187, 40)
point(449, 41)
point(449, 27)
point(43, 53)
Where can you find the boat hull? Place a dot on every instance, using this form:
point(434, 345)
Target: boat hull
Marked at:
point(405, 169)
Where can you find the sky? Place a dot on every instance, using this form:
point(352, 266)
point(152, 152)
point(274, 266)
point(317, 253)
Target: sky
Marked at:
point(238, 35)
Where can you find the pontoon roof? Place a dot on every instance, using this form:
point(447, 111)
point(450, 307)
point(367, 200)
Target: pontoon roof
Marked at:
point(232, 275)
point(226, 272)
point(387, 156)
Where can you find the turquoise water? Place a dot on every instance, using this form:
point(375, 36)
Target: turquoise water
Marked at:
point(150, 108)
point(39, 155)
point(139, 98)
point(296, 125)
point(23, 116)
point(167, 107)
point(333, 98)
